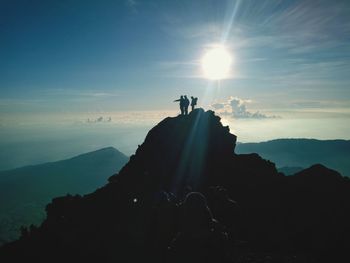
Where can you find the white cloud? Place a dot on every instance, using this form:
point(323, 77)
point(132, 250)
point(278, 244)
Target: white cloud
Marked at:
point(218, 106)
point(237, 108)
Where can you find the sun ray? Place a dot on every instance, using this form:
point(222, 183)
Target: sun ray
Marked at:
point(230, 23)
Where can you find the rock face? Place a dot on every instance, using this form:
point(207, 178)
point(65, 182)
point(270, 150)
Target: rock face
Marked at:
point(179, 152)
point(301, 217)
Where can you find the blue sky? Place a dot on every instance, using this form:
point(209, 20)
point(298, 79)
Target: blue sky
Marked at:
point(122, 55)
point(91, 58)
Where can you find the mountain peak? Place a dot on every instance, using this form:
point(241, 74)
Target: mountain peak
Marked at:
point(182, 151)
point(192, 131)
point(318, 171)
point(100, 152)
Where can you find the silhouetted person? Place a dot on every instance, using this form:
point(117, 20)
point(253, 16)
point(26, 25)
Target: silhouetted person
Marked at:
point(199, 238)
point(186, 104)
point(182, 104)
point(193, 102)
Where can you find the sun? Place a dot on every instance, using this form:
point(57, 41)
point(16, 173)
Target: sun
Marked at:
point(216, 63)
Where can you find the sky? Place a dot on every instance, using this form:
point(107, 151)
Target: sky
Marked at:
point(66, 64)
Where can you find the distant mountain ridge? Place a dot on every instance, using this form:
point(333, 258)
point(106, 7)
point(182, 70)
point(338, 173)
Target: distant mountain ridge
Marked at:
point(334, 154)
point(290, 170)
point(25, 191)
point(83, 156)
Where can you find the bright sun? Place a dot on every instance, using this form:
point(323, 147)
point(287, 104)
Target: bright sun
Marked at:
point(216, 63)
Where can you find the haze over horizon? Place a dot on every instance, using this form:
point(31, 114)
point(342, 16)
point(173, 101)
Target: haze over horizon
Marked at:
point(66, 64)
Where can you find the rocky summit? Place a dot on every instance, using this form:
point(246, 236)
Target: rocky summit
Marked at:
point(185, 196)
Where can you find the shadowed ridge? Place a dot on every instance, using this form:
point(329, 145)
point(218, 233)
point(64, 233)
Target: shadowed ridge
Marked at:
point(317, 171)
point(318, 199)
point(319, 180)
point(99, 152)
point(93, 155)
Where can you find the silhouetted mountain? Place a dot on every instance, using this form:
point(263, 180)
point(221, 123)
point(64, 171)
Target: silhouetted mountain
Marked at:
point(303, 152)
point(268, 217)
point(25, 191)
point(287, 170)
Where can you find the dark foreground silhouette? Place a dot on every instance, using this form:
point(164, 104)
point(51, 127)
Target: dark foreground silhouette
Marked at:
point(242, 210)
point(199, 237)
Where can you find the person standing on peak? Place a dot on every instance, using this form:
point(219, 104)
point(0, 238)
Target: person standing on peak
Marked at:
point(193, 102)
point(186, 104)
point(182, 104)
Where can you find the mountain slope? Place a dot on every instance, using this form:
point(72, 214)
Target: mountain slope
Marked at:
point(25, 191)
point(303, 152)
point(301, 218)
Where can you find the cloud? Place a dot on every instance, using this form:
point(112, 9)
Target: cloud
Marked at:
point(305, 27)
point(236, 108)
point(218, 106)
point(100, 119)
point(79, 94)
point(99, 94)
